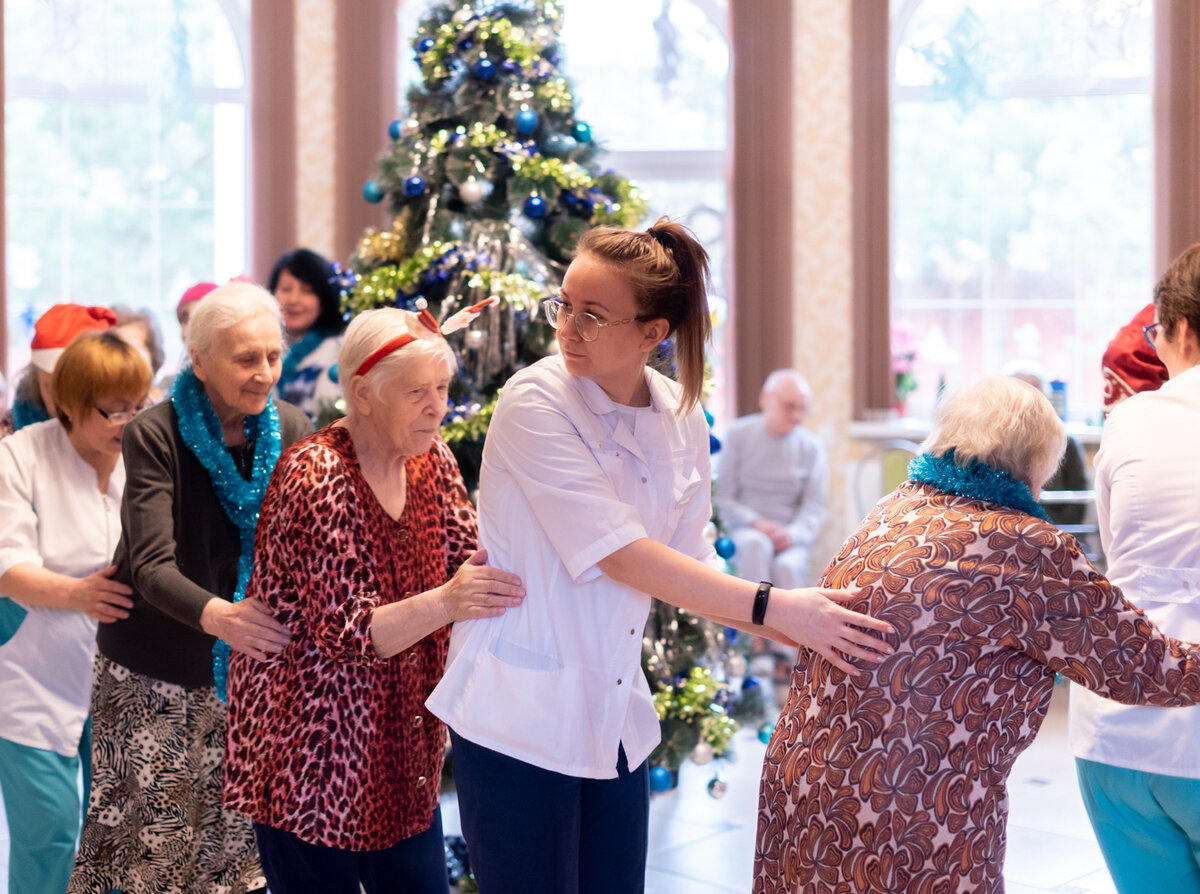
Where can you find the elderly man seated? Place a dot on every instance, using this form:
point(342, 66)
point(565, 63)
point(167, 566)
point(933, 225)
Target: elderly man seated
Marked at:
point(773, 484)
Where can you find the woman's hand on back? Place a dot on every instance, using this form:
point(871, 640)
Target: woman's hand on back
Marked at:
point(478, 590)
point(99, 597)
point(247, 626)
point(812, 618)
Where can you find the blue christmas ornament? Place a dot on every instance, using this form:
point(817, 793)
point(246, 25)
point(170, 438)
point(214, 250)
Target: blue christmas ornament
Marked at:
point(714, 444)
point(484, 69)
point(535, 207)
point(394, 130)
point(750, 684)
point(527, 121)
point(660, 779)
point(425, 44)
point(708, 417)
point(765, 731)
point(582, 132)
point(725, 548)
point(373, 192)
point(414, 186)
point(333, 374)
point(731, 635)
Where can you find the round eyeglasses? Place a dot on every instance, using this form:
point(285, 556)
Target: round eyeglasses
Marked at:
point(587, 325)
point(1150, 332)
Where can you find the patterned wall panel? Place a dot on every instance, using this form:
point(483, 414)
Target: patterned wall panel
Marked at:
point(315, 120)
point(822, 252)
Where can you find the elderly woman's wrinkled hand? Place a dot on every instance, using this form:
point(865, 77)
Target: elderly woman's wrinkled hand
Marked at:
point(247, 626)
point(478, 590)
point(812, 617)
point(101, 598)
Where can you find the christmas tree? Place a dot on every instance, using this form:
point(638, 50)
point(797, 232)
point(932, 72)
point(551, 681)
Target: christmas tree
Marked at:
point(491, 178)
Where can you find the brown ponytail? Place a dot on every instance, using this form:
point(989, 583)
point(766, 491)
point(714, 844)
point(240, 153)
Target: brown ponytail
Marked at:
point(668, 271)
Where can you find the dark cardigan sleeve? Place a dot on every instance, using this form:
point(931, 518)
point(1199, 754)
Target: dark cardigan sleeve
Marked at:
point(148, 517)
point(152, 459)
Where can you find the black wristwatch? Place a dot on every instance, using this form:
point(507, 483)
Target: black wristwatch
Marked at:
point(759, 614)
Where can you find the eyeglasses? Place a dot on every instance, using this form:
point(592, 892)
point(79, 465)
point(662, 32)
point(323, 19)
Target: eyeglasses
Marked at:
point(118, 418)
point(587, 325)
point(1151, 333)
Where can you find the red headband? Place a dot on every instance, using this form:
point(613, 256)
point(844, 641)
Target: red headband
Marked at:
point(460, 319)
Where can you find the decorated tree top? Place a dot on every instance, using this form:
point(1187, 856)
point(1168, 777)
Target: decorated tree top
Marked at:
point(491, 178)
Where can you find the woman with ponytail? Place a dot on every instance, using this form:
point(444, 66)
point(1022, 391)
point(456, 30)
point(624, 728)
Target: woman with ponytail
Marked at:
point(595, 491)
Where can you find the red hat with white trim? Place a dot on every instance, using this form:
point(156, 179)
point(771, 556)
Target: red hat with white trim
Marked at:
point(57, 327)
point(1129, 364)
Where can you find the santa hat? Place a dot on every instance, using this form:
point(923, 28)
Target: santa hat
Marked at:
point(58, 326)
point(1130, 365)
point(195, 293)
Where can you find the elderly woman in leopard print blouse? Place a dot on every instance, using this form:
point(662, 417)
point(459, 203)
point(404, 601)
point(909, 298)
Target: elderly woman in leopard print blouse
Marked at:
point(331, 751)
point(894, 780)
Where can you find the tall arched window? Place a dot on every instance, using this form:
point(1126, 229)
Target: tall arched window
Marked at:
point(1022, 187)
point(674, 56)
point(125, 151)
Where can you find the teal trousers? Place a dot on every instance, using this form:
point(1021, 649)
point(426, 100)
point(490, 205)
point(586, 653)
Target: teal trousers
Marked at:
point(42, 804)
point(1148, 827)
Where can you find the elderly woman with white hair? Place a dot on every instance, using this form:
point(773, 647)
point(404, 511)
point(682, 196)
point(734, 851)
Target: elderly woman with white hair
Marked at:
point(367, 553)
point(197, 469)
point(895, 781)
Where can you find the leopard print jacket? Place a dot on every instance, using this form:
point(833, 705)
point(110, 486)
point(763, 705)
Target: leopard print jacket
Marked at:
point(326, 740)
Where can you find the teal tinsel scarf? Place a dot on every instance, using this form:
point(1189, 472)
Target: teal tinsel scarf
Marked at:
point(977, 481)
point(297, 352)
point(241, 499)
point(25, 413)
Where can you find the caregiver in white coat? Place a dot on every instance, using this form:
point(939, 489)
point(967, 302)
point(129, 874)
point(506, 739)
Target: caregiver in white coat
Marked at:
point(595, 491)
point(61, 483)
point(1139, 767)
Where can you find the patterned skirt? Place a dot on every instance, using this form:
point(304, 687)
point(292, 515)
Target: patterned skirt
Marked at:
point(155, 824)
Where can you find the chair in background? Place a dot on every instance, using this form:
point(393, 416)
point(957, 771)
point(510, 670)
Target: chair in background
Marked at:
point(882, 469)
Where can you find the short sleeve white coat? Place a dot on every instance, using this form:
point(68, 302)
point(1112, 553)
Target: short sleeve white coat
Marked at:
point(565, 482)
point(51, 514)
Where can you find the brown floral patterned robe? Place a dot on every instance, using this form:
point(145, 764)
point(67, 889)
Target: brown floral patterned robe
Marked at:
point(894, 780)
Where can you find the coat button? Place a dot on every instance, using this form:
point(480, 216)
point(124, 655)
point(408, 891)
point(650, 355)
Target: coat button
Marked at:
point(418, 720)
point(618, 682)
point(631, 633)
point(420, 781)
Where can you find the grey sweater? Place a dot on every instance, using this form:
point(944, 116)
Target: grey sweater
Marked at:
point(177, 550)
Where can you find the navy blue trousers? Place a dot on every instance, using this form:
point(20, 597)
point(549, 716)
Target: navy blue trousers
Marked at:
point(414, 865)
point(529, 829)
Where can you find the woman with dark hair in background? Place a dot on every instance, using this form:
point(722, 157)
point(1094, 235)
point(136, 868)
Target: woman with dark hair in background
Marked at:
point(302, 283)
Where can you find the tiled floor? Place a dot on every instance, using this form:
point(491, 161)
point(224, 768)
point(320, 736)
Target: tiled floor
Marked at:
point(701, 845)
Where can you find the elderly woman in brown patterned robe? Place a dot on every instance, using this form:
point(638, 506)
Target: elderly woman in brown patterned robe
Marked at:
point(894, 780)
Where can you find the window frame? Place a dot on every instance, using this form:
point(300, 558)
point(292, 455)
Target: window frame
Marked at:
point(1175, 97)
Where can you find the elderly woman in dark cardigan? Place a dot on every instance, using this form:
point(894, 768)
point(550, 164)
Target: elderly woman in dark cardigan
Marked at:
point(198, 467)
point(895, 780)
